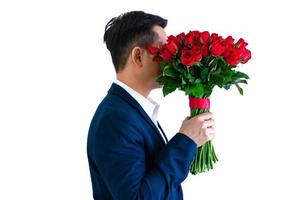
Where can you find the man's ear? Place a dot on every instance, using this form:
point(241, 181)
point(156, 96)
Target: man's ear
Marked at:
point(137, 56)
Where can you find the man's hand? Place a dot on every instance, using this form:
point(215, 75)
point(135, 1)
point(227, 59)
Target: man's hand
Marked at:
point(199, 128)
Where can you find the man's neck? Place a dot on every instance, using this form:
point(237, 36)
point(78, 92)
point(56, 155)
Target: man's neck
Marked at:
point(135, 86)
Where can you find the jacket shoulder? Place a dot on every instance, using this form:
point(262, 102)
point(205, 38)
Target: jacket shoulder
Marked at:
point(115, 118)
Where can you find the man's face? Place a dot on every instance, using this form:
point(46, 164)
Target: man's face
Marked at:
point(152, 68)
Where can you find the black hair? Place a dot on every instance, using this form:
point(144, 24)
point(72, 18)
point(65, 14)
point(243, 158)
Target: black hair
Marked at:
point(128, 30)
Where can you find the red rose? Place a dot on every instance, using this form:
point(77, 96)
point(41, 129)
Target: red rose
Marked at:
point(217, 49)
point(172, 47)
point(241, 43)
point(216, 38)
point(157, 58)
point(189, 56)
point(165, 53)
point(180, 37)
point(152, 50)
point(233, 58)
point(229, 41)
point(189, 39)
point(186, 57)
point(171, 38)
point(195, 45)
point(228, 50)
point(197, 54)
point(213, 36)
point(232, 62)
point(196, 35)
point(205, 50)
point(245, 56)
point(192, 38)
point(197, 40)
point(205, 35)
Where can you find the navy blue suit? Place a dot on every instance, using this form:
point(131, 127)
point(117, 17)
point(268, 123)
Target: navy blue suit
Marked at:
point(128, 159)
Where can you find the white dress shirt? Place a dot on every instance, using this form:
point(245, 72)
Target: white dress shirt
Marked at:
point(150, 106)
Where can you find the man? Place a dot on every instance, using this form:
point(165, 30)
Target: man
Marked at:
point(128, 152)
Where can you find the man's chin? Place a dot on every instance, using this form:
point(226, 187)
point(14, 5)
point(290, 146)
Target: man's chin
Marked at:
point(157, 86)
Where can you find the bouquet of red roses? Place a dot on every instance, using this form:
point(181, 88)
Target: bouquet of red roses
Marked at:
point(195, 63)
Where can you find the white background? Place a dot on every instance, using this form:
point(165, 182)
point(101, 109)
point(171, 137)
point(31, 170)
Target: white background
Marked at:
point(55, 70)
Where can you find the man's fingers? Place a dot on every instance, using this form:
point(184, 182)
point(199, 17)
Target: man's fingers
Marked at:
point(205, 116)
point(209, 123)
point(210, 133)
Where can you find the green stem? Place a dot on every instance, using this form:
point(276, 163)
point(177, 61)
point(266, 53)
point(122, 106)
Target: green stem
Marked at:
point(205, 155)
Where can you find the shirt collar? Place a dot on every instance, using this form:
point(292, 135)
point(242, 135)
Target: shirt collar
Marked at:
point(149, 105)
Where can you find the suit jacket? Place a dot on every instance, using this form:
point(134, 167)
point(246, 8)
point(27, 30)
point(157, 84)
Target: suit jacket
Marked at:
point(128, 159)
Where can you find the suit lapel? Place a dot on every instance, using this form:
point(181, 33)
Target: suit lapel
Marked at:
point(162, 132)
point(119, 91)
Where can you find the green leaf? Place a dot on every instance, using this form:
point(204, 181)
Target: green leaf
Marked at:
point(189, 76)
point(207, 59)
point(161, 80)
point(198, 80)
point(227, 86)
point(227, 76)
point(222, 64)
point(240, 75)
point(196, 90)
point(169, 71)
point(239, 88)
point(183, 81)
point(204, 73)
point(162, 65)
point(213, 63)
point(188, 90)
point(217, 79)
point(241, 81)
point(207, 91)
point(198, 65)
point(169, 87)
point(180, 68)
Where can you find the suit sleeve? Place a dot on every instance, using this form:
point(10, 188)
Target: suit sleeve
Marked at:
point(120, 157)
